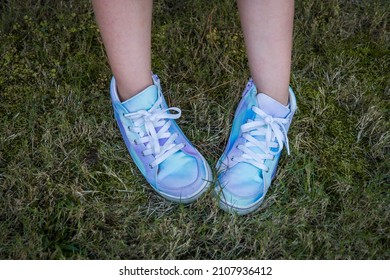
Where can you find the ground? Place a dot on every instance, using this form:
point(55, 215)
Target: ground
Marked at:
point(69, 189)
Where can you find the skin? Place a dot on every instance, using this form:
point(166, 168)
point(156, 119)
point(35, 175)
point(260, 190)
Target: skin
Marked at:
point(125, 26)
point(268, 27)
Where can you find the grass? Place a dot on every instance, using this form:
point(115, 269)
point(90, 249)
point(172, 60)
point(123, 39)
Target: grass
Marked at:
point(69, 190)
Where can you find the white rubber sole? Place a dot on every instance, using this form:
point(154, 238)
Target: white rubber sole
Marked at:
point(238, 210)
point(186, 200)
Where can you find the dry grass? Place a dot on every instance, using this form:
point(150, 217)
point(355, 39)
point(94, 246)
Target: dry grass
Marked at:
point(68, 188)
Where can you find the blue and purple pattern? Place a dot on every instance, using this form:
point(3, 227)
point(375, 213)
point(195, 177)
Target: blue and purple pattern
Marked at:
point(177, 171)
point(241, 185)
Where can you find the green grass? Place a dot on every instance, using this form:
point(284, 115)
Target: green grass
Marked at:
point(69, 190)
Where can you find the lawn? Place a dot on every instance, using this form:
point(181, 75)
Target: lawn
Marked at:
point(69, 189)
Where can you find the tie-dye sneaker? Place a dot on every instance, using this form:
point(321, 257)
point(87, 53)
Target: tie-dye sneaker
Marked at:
point(250, 160)
point(165, 157)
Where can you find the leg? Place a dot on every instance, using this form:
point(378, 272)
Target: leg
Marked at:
point(267, 26)
point(125, 26)
point(262, 119)
point(164, 156)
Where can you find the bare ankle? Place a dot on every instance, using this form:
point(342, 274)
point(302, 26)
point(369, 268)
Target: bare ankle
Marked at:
point(129, 89)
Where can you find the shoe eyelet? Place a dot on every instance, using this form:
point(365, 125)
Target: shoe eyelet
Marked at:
point(151, 167)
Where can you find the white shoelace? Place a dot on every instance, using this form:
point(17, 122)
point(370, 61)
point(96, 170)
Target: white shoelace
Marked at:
point(146, 123)
point(274, 133)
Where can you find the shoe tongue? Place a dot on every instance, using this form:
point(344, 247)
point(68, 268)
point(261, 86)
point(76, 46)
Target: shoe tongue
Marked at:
point(271, 106)
point(143, 100)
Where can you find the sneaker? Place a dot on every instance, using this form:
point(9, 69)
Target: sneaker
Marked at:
point(250, 160)
point(165, 157)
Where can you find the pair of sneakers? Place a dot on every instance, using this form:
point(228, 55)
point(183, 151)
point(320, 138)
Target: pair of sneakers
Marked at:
point(178, 172)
